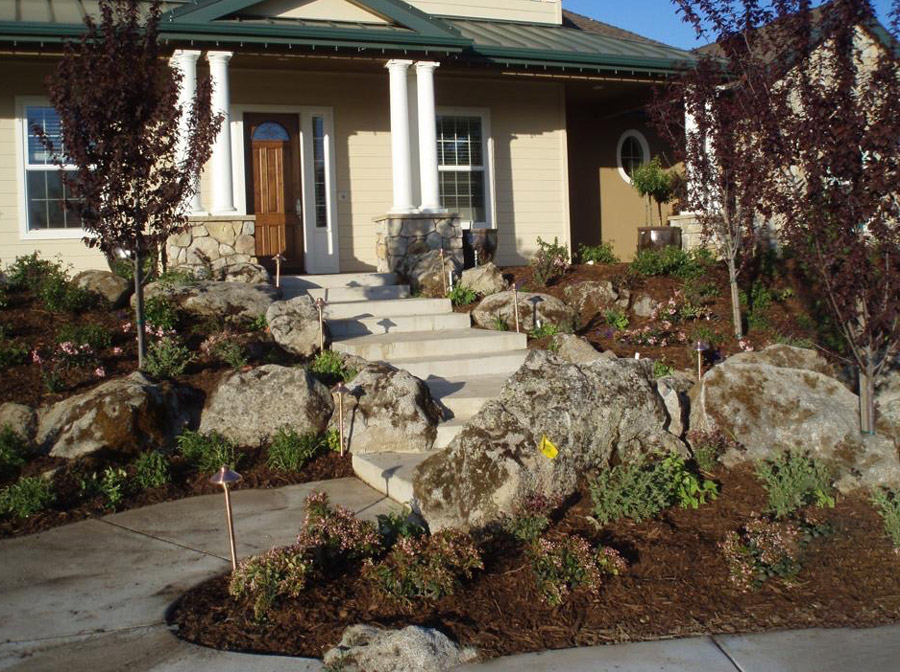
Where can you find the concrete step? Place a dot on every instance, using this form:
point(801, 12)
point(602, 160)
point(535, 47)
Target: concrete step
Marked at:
point(391, 346)
point(349, 294)
point(465, 397)
point(447, 431)
point(390, 473)
point(306, 282)
point(391, 308)
point(461, 366)
point(349, 328)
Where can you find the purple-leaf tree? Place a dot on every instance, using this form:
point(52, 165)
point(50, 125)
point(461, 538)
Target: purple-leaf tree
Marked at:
point(821, 92)
point(135, 169)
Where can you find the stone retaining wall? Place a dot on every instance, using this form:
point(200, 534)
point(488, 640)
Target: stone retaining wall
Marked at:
point(402, 236)
point(214, 242)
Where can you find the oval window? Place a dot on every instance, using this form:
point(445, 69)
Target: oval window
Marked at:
point(633, 151)
point(271, 131)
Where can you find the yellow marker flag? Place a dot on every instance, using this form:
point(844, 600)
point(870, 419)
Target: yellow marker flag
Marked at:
point(547, 448)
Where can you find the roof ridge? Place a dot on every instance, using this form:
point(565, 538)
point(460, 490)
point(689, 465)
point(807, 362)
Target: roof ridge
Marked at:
point(608, 29)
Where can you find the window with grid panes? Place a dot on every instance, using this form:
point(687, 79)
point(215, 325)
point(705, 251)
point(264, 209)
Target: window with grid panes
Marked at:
point(461, 167)
point(45, 191)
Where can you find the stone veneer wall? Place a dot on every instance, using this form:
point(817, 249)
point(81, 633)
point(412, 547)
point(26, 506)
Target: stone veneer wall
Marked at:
point(402, 236)
point(691, 230)
point(221, 242)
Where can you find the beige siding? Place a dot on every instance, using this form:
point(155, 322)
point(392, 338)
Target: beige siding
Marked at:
point(535, 11)
point(334, 10)
point(26, 79)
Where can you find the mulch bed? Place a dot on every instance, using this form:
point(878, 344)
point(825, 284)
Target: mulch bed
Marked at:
point(70, 506)
point(677, 584)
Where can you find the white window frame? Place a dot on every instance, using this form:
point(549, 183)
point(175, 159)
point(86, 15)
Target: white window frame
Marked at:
point(487, 137)
point(645, 147)
point(21, 128)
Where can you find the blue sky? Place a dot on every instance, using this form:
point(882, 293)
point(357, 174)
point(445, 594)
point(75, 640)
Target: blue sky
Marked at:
point(655, 18)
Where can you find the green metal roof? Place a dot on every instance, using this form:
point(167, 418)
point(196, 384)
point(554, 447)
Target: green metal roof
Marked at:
point(233, 23)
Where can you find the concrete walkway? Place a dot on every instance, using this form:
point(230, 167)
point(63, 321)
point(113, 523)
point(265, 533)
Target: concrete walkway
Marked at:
point(92, 596)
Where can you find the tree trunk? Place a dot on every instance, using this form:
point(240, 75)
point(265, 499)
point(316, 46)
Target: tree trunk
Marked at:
point(139, 307)
point(659, 207)
point(867, 396)
point(735, 300)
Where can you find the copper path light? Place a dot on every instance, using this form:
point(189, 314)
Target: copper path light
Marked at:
point(279, 259)
point(320, 305)
point(226, 477)
point(515, 289)
point(700, 347)
point(341, 391)
point(443, 266)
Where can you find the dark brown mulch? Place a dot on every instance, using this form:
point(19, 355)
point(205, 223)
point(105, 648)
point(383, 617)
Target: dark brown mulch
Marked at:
point(676, 585)
point(70, 506)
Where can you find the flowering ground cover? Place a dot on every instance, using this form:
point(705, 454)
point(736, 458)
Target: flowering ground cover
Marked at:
point(723, 567)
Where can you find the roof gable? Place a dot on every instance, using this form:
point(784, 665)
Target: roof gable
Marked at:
point(315, 10)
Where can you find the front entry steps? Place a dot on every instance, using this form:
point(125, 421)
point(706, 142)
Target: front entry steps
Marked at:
point(371, 316)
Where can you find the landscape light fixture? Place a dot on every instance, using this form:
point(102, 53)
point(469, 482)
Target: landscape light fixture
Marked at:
point(341, 390)
point(226, 477)
point(535, 320)
point(444, 279)
point(279, 259)
point(700, 347)
point(515, 289)
point(320, 305)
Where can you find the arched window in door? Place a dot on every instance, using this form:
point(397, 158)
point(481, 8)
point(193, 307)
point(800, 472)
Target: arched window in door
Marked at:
point(271, 132)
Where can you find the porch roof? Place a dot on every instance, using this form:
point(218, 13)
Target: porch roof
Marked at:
point(231, 24)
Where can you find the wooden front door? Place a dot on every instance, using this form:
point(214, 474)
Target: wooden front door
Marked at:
point(274, 159)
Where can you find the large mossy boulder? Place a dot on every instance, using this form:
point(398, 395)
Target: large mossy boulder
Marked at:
point(769, 408)
point(123, 416)
point(250, 407)
point(591, 413)
point(498, 308)
point(294, 325)
point(20, 418)
point(207, 298)
point(426, 273)
point(389, 410)
point(484, 280)
point(592, 297)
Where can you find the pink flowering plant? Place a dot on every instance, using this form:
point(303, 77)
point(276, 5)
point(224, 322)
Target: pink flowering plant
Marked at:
point(334, 534)
point(426, 567)
point(264, 579)
point(666, 324)
point(530, 517)
point(563, 566)
point(761, 550)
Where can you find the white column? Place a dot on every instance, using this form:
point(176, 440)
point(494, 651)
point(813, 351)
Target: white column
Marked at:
point(222, 178)
point(428, 155)
point(185, 62)
point(400, 149)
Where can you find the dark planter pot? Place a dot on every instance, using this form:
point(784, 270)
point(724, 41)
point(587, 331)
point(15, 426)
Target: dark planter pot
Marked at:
point(484, 241)
point(658, 237)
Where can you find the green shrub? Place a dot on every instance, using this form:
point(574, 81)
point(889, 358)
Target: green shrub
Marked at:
point(12, 354)
point(462, 296)
point(599, 254)
point(616, 317)
point(398, 525)
point(708, 447)
point(544, 329)
point(95, 336)
point(151, 470)
point(335, 535)
point(278, 573)
point(699, 293)
point(208, 452)
point(13, 450)
point(888, 504)
point(176, 276)
point(290, 451)
point(653, 181)
point(60, 295)
point(161, 313)
point(231, 353)
point(761, 550)
point(561, 567)
point(167, 358)
point(258, 323)
point(426, 567)
point(669, 261)
point(531, 516)
point(114, 485)
point(332, 440)
point(330, 368)
point(640, 490)
point(794, 480)
point(500, 324)
point(550, 262)
point(26, 497)
point(661, 369)
point(29, 273)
